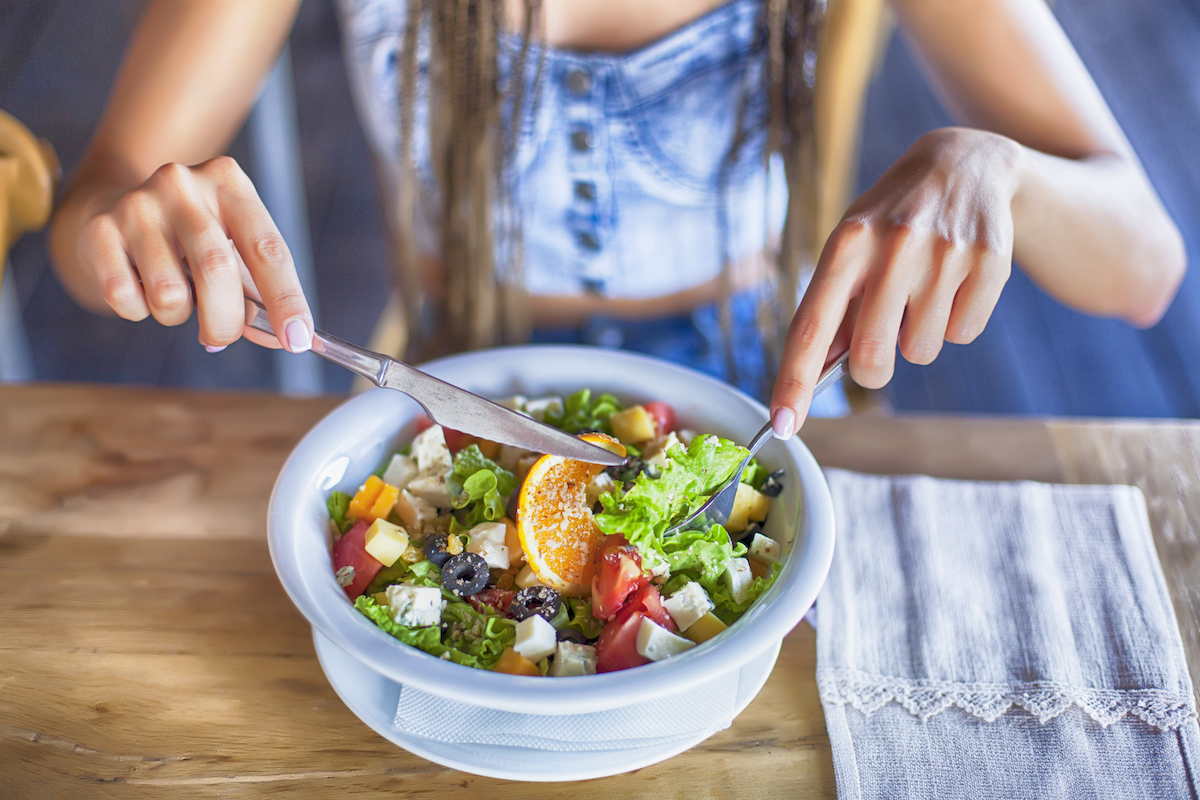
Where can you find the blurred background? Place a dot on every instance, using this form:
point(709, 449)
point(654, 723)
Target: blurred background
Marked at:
point(58, 60)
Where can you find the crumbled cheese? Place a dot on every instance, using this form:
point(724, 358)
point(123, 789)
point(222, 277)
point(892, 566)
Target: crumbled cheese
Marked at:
point(536, 638)
point(487, 539)
point(415, 512)
point(655, 453)
point(764, 549)
point(657, 643)
point(538, 407)
point(738, 578)
point(415, 606)
point(430, 452)
point(573, 659)
point(432, 489)
point(345, 576)
point(400, 471)
point(687, 605)
point(601, 484)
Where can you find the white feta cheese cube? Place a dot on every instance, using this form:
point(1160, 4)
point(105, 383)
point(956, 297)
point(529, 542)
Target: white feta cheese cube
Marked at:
point(601, 484)
point(536, 638)
point(538, 407)
point(487, 539)
point(400, 471)
point(573, 659)
point(527, 577)
point(656, 452)
point(657, 643)
point(516, 402)
point(415, 606)
point(658, 569)
point(738, 577)
point(687, 605)
point(431, 488)
point(509, 456)
point(416, 512)
point(764, 549)
point(430, 452)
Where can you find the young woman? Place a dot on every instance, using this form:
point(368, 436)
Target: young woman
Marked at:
point(607, 170)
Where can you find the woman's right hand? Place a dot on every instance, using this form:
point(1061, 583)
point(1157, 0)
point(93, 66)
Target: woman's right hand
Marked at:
point(133, 244)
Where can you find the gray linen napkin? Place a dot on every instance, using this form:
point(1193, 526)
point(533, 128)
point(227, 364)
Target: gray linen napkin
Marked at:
point(1007, 640)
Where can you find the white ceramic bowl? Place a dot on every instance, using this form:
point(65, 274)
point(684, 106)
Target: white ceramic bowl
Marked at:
point(353, 440)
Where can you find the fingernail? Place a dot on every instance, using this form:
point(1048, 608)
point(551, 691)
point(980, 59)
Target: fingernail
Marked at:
point(783, 423)
point(212, 349)
point(298, 336)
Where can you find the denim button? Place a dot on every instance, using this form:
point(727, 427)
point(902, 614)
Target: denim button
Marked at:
point(581, 139)
point(585, 190)
point(579, 81)
point(589, 241)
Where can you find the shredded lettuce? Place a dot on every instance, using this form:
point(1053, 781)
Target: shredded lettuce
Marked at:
point(338, 503)
point(428, 639)
point(579, 617)
point(581, 413)
point(754, 474)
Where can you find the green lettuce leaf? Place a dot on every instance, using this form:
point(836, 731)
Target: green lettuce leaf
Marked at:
point(338, 503)
point(580, 412)
point(644, 512)
point(427, 639)
point(579, 617)
point(754, 474)
point(479, 487)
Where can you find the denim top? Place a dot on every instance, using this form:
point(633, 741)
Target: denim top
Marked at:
point(619, 168)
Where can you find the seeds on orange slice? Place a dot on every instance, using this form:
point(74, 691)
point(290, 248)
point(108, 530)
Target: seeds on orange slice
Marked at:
point(554, 519)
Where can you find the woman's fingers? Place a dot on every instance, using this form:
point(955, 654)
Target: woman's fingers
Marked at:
point(211, 260)
point(814, 327)
point(151, 244)
point(977, 297)
point(924, 328)
point(885, 295)
point(265, 254)
point(103, 250)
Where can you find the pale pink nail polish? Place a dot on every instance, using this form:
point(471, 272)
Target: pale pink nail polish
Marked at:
point(299, 338)
point(783, 423)
point(212, 349)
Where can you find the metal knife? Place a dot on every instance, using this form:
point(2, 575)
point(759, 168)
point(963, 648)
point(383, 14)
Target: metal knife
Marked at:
point(448, 405)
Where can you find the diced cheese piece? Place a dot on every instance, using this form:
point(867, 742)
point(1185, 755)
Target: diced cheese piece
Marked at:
point(512, 541)
point(705, 628)
point(400, 471)
point(415, 606)
point(385, 541)
point(514, 663)
point(601, 484)
point(739, 517)
point(659, 569)
point(764, 549)
point(487, 539)
point(538, 407)
point(383, 502)
point(738, 577)
point(688, 605)
point(364, 498)
point(573, 659)
point(657, 643)
point(536, 638)
point(509, 456)
point(760, 506)
point(524, 463)
point(656, 452)
point(634, 424)
point(516, 402)
point(527, 577)
point(416, 512)
point(431, 488)
point(430, 451)
point(685, 436)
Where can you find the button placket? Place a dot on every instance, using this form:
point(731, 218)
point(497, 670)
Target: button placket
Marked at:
point(583, 102)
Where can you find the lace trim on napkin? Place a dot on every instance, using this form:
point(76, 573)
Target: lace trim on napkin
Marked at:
point(988, 701)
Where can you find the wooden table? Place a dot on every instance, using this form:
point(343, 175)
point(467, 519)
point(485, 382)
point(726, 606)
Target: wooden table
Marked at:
point(147, 649)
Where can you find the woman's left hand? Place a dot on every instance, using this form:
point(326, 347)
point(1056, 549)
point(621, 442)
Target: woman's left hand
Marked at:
point(918, 259)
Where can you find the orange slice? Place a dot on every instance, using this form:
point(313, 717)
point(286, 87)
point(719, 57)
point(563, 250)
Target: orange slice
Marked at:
point(554, 520)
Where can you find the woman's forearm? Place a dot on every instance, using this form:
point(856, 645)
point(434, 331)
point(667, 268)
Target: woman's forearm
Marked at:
point(1093, 234)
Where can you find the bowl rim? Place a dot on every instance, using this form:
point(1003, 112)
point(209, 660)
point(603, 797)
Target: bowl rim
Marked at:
point(791, 595)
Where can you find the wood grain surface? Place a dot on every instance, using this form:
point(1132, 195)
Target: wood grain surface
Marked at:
point(149, 651)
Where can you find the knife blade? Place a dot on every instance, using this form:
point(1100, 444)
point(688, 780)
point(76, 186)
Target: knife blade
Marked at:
point(446, 404)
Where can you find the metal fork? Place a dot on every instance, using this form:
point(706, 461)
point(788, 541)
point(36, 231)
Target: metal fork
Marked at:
point(716, 509)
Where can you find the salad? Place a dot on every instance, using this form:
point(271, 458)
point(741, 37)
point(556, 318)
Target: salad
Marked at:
point(503, 559)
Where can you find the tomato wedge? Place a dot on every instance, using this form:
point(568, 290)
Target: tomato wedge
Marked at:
point(648, 601)
point(617, 646)
point(351, 551)
point(664, 416)
point(618, 575)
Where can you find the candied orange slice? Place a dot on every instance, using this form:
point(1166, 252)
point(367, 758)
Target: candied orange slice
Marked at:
point(554, 520)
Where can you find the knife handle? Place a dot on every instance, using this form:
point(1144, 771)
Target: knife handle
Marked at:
point(371, 366)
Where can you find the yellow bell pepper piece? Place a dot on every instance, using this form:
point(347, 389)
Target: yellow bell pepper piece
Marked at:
point(514, 663)
point(383, 502)
point(364, 498)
